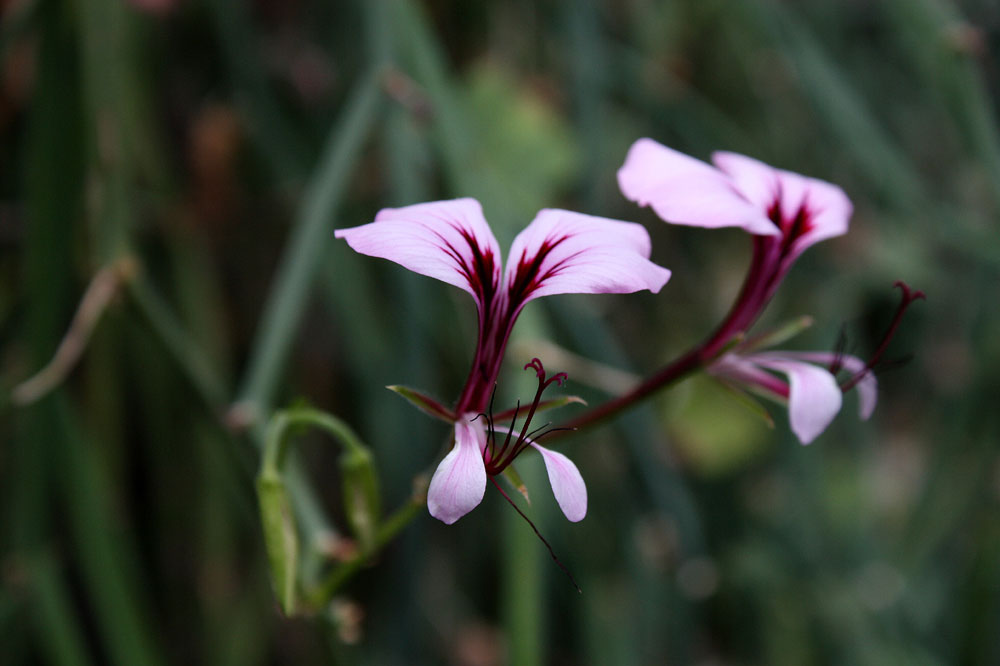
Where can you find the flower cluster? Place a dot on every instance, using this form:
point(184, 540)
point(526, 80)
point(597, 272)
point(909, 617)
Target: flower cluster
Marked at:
point(565, 252)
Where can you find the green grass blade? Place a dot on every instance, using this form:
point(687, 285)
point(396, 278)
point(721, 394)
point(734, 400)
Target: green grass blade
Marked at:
point(59, 631)
point(313, 231)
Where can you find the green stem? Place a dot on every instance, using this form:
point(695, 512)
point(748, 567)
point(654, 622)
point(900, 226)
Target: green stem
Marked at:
point(276, 440)
point(402, 517)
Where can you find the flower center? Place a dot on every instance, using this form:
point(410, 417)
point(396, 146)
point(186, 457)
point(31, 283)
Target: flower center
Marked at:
point(497, 456)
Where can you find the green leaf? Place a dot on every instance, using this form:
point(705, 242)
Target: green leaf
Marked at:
point(776, 336)
point(511, 476)
point(543, 406)
point(424, 403)
point(748, 401)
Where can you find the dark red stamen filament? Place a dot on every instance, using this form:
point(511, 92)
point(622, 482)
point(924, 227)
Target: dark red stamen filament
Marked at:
point(906, 299)
point(497, 459)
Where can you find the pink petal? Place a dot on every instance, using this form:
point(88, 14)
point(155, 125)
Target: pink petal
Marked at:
point(829, 209)
point(562, 252)
point(567, 483)
point(683, 190)
point(744, 371)
point(814, 397)
point(447, 240)
point(867, 388)
point(459, 482)
point(756, 181)
point(828, 206)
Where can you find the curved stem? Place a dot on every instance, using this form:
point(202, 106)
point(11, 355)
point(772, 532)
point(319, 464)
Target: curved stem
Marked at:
point(387, 531)
point(690, 362)
point(756, 291)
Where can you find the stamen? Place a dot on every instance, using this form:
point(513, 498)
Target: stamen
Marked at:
point(552, 430)
point(907, 298)
point(538, 534)
point(839, 349)
point(531, 435)
point(499, 459)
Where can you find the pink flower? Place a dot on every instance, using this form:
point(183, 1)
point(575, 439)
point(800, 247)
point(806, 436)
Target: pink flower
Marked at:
point(559, 252)
point(785, 212)
point(813, 394)
point(738, 191)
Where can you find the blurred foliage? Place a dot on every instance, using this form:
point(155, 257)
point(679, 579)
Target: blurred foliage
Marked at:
point(213, 146)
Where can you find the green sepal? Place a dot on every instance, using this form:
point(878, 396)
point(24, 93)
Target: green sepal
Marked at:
point(778, 335)
point(424, 403)
point(361, 498)
point(748, 401)
point(543, 406)
point(511, 476)
point(280, 538)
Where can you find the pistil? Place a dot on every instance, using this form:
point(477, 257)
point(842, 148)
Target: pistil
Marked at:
point(907, 298)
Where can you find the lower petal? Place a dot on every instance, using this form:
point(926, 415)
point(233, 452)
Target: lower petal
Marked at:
point(867, 386)
point(567, 483)
point(814, 397)
point(459, 482)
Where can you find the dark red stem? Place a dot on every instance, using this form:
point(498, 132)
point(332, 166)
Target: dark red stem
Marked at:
point(756, 291)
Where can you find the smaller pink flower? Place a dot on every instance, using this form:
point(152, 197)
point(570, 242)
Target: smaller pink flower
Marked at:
point(811, 389)
point(785, 212)
point(738, 191)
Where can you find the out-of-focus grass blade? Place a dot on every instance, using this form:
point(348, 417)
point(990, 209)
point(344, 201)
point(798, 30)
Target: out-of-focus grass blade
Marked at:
point(932, 33)
point(117, 124)
point(53, 164)
point(840, 105)
point(59, 632)
point(285, 150)
point(452, 130)
point(523, 591)
point(498, 142)
point(197, 368)
point(886, 167)
point(589, 70)
point(106, 553)
point(312, 233)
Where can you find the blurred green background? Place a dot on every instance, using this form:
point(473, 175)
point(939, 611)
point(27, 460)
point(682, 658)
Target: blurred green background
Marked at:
point(197, 155)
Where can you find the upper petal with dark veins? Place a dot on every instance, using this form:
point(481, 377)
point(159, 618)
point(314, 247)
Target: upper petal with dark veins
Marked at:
point(684, 190)
point(562, 252)
point(447, 240)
